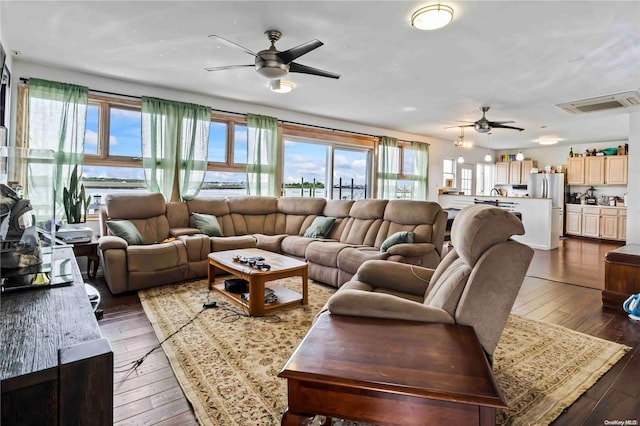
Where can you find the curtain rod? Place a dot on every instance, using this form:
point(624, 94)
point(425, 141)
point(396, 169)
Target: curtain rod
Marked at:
point(102, 92)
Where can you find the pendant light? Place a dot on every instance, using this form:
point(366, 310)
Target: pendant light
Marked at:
point(460, 159)
point(519, 156)
point(488, 158)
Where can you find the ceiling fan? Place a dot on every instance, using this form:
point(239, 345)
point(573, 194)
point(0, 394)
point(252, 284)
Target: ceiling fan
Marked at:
point(273, 64)
point(484, 126)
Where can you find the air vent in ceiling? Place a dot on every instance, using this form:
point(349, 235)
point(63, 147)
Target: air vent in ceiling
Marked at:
point(602, 103)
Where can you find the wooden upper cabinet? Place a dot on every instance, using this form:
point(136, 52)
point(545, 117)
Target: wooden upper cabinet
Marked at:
point(575, 170)
point(616, 169)
point(515, 170)
point(502, 173)
point(594, 170)
point(525, 171)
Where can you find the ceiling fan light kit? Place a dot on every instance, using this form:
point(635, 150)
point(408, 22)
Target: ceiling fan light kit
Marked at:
point(280, 86)
point(432, 17)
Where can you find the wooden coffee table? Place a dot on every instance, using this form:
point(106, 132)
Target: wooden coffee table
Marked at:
point(390, 372)
point(281, 267)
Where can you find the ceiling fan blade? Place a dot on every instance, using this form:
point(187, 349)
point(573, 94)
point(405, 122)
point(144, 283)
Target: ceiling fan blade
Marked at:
point(303, 69)
point(232, 44)
point(500, 122)
point(228, 67)
point(501, 126)
point(295, 52)
point(460, 125)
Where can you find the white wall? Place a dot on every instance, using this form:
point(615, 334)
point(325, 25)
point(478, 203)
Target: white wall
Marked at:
point(438, 150)
point(633, 200)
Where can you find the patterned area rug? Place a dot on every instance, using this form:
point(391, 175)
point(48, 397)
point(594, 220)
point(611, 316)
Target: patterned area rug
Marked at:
point(227, 364)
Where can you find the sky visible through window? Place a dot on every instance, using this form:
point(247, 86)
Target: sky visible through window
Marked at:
point(302, 160)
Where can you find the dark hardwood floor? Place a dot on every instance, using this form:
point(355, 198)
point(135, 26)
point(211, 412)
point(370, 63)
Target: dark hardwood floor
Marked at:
point(549, 294)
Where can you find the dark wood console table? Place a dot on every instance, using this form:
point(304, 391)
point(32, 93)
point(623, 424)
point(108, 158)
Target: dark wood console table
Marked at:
point(55, 366)
point(621, 275)
point(390, 372)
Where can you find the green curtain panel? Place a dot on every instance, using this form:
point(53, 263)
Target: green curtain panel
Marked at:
point(174, 137)
point(262, 155)
point(57, 120)
point(388, 167)
point(420, 190)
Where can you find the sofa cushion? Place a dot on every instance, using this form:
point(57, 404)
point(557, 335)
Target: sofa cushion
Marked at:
point(207, 224)
point(295, 245)
point(135, 206)
point(397, 238)
point(351, 258)
point(325, 252)
point(320, 227)
point(125, 230)
point(446, 291)
point(232, 243)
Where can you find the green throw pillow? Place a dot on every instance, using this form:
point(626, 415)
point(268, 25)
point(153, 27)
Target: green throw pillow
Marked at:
point(125, 230)
point(207, 224)
point(397, 238)
point(320, 227)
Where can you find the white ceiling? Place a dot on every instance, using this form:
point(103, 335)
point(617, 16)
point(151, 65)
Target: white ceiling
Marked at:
point(519, 57)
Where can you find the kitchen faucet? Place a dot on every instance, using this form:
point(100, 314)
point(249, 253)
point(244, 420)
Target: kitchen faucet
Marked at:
point(494, 189)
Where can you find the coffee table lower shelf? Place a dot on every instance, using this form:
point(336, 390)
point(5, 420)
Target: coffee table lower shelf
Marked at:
point(285, 296)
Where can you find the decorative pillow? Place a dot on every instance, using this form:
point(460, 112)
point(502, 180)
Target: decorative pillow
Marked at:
point(320, 227)
point(397, 238)
point(125, 230)
point(207, 224)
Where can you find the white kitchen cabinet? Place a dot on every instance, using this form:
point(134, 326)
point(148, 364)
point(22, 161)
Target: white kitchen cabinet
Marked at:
point(591, 222)
point(574, 220)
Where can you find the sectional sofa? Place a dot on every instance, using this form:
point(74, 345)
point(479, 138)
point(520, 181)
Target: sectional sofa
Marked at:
point(170, 247)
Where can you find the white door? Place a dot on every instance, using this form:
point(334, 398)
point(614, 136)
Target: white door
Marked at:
point(465, 172)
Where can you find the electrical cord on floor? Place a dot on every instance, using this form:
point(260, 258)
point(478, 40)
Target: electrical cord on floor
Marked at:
point(232, 316)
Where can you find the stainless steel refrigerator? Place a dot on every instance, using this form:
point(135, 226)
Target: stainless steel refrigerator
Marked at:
point(554, 186)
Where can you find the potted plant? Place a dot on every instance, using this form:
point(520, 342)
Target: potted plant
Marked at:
point(74, 200)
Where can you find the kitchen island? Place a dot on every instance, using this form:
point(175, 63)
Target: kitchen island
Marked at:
point(542, 222)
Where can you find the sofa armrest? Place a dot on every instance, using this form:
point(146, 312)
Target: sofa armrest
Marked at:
point(395, 276)
point(109, 242)
point(379, 305)
point(178, 232)
point(411, 249)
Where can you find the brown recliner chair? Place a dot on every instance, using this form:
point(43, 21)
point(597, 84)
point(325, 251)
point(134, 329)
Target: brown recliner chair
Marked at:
point(475, 284)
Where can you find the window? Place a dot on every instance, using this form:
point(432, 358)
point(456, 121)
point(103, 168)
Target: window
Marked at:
point(448, 173)
point(217, 151)
point(484, 178)
point(312, 167)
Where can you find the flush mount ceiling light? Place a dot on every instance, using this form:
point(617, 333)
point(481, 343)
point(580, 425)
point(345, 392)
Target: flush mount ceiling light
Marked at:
point(280, 86)
point(432, 17)
point(548, 140)
point(519, 156)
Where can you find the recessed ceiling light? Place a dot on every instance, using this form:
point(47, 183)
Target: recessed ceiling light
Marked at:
point(432, 17)
point(282, 87)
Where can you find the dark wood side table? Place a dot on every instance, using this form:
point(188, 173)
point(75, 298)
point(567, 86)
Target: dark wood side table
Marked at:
point(621, 275)
point(90, 250)
point(55, 366)
point(390, 372)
